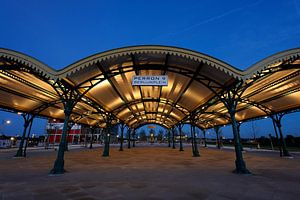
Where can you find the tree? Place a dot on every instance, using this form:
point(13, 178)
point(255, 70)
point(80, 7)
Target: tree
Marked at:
point(160, 135)
point(142, 135)
point(152, 135)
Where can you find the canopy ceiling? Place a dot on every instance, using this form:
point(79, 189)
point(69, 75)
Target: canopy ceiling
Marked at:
point(103, 84)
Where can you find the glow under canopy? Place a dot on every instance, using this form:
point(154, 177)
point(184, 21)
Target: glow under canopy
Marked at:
point(104, 84)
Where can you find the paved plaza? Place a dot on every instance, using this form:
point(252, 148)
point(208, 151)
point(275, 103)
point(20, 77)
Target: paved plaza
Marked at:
point(148, 173)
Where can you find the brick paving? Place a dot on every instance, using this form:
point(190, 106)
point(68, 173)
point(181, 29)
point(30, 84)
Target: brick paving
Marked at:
point(148, 173)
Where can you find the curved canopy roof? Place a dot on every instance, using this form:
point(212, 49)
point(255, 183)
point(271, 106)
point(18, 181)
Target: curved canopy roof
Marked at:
point(102, 85)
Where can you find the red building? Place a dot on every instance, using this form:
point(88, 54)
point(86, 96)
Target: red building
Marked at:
point(54, 130)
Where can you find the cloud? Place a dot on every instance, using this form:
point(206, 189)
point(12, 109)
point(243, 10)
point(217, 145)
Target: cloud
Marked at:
point(211, 19)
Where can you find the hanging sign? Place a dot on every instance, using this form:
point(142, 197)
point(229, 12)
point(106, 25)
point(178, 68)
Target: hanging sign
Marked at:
point(150, 80)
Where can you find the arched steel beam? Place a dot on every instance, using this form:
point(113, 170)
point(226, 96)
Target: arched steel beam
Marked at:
point(180, 108)
point(19, 65)
point(143, 124)
point(156, 113)
point(167, 122)
point(267, 86)
point(204, 80)
point(100, 67)
point(28, 83)
point(164, 120)
point(242, 86)
point(260, 105)
point(222, 115)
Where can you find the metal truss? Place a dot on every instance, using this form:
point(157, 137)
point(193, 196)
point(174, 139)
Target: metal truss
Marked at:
point(140, 124)
point(162, 101)
point(166, 115)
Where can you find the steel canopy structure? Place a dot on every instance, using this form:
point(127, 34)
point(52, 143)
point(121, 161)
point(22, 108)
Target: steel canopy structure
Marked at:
point(202, 90)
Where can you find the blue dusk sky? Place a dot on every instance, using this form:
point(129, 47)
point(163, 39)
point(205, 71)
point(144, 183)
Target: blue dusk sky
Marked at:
point(239, 32)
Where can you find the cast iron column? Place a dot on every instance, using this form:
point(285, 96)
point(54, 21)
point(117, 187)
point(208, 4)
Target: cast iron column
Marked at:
point(26, 124)
point(92, 136)
point(122, 135)
point(133, 137)
point(195, 151)
point(128, 139)
point(27, 138)
point(59, 162)
point(180, 136)
point(239, 162)
point(85, 139)
point(238, 124)
point(282, 140)
point(169, 138)
point(173, 138)
point(217, 130)
point(67, 137)
point(192, 137)
point(107, 137)
point(204, 135)
point(230, 98)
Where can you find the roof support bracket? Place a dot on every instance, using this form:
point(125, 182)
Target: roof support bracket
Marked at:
point(230, 99)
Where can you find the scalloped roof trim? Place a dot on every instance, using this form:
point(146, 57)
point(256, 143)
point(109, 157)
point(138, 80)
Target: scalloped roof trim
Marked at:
point(126, 51)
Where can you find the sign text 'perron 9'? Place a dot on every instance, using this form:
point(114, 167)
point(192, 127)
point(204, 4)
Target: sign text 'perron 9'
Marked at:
point(150, 80)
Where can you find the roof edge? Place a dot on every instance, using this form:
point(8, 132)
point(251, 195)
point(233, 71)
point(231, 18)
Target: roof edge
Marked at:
point(159, 49)
point(29, 61)
point(270, 60)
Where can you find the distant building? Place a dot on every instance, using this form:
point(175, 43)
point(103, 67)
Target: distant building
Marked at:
point(54, 131)
point(5, 142)
point(77, 134)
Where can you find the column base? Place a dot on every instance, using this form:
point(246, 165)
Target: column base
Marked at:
point(56, 172)
point(19, 153)
point(286, 154)
point(241, 171)
point(196, 154)
point(58, 168)
point(241, 168)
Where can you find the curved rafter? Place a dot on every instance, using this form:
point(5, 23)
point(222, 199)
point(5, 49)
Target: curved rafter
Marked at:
point(66, 89)
point(164, 115)
point(139, 125)
point(159, 124)
point(163, 101)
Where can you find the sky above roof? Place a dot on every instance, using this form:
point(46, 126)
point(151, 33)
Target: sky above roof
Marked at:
point(239, 32)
